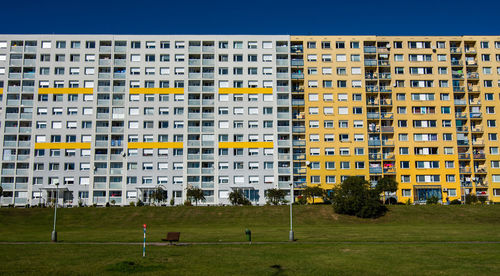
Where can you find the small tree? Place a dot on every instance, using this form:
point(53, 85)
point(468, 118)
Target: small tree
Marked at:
point(195, 194)
point(238, 198)
point(159, 195)
point(386, 185)
point(312, 192)
point(275, 196)
point(1, 193)
point(355, 197)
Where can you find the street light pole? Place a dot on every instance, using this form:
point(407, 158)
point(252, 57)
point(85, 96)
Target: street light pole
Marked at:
point(290, 237)
point(54, 233)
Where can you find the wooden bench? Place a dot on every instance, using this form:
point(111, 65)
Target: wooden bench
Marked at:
point(172, 237)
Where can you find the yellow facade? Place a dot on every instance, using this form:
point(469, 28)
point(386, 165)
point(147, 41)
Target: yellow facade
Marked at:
point(422, 99)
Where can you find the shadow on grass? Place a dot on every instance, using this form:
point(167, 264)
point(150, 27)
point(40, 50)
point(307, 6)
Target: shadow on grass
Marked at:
point(133, 267)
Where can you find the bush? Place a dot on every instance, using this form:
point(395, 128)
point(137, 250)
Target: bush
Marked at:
point(482, 199)
point(470, 199)
point(132, 204)
point(172, 202)
point(188, 203)
point(355, 197)
point(432, 200)
point(107, 204)
point(455, 202)
point(140, 203)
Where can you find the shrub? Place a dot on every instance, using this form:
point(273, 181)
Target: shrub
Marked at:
point(482, 199)
point(172, 202)
point(188, 203)
point(132, 204)
point(238, 198)
point(140, 203)
point(355, 197)
point(107, 204)
point(455, 202)
point(470, 199)
point(432, 200)
point(275, 196)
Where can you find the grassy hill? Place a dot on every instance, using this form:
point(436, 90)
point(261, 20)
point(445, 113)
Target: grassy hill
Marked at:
point(409, 240)
point(268, 223)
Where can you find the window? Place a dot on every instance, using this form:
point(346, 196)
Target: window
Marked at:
point(341, 57)
point(406, 192)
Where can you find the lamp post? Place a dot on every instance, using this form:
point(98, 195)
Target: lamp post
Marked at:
point(54, 233)
point(290, 237)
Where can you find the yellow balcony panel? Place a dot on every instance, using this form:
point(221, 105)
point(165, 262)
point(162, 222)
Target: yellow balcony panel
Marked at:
point(241, 145)
point(65, 90)
point(1, 90)
point(155, 145)
point(62, 145)
point(156, 91)
point(245, 91)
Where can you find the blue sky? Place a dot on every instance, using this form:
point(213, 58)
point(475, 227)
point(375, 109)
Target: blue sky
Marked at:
point(309, 17)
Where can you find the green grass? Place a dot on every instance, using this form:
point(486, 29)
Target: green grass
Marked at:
point(269, 223)
point(413, 240)
point(269, 259)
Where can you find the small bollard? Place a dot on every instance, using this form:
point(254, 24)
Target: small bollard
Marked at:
point(248, 233)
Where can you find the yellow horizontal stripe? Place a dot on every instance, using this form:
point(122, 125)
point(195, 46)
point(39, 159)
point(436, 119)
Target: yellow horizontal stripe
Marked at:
point(245, 90)
point(240, 145)
point(156, 90)
point(62, 145)
point(155, 145)
point(65, 90)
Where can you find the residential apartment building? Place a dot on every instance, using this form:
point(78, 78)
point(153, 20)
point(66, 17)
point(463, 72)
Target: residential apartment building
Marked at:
point(111, 118)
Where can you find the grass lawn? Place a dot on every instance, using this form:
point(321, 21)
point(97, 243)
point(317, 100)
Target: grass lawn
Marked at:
point(427, 229)
point(266, 259)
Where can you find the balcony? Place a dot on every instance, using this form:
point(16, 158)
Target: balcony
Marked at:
point(478, 143)
point(389, 156)
point(455, 50)
point(376, 170)
point(386, 76)
point(480, 170)
point(299, 143)
point(479, 156)
point(297, 76)
point(457, 63)
point(387, 129)
point(370, 62)
point(458, 89)
point(374, 143)
point(120, 62)
point(388, 143)
point(207, 156)
point(371, 88)
point(121, 49)
point(283, 143)
point(299, 156)
point(283, 115)
point(464, 156)
point(477, 129)
point(298, 129)
point(389, 171)
point(282, 49)
point(374, 156)
point(284, 170)
point(29, 75)
point(460, 102)
point(282, 75)
point(462, 142)
point(475, 115)
point(460, 115)
point(101, 157)
point(194, 49)
point(384, 63)
point(282, 62)
point(281, 88)
point(457, 76)
point(194, 61)
point(283, 129)
point(193, 157)
point(370, 49)
point(464, 170)
point(373, 115)
point(471, 63)
point(462, 129)
point(296, 102)
point(473, 76)
point(297, 62)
